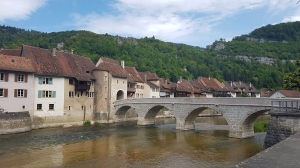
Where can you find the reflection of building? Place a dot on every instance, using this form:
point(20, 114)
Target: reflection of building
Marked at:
point(111, 85)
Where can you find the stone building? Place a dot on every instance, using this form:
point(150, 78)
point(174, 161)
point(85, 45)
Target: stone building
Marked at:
point(111, 85)
point(136, 84)
point(239, 88)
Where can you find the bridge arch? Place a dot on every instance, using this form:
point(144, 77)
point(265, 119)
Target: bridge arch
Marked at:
point(120, 114)
point(120, 95)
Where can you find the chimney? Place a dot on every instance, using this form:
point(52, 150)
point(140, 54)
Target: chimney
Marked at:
point(122, 64)
point(209, 78)
point(54, 52)
point(145, 77)
point(231, 83)
point(180, 79)
point(250, 84)
point(199, 78)
point(72, 51)
point(166, 82)
point(240, 83)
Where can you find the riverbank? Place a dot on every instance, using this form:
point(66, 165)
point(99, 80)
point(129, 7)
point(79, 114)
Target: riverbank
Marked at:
point(283, 154)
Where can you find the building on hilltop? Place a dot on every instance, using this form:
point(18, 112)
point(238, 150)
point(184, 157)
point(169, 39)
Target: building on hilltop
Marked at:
point(111, 85)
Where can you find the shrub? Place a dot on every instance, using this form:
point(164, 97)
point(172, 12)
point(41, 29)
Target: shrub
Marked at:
point(96, 124)
point(261, 126)
point(87, 123)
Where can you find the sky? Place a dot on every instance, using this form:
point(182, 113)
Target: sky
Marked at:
point(192, 22)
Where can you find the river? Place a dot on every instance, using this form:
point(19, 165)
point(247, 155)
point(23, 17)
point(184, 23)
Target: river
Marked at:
point(128, 145)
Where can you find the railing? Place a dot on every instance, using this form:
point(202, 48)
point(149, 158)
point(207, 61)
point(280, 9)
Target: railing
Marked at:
point(82, 87)
point(129, 89)
point(282, 105)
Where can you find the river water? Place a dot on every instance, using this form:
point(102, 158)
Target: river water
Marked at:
point(128, 145)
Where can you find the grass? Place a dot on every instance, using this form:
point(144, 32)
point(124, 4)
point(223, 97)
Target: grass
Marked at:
point(87, 123)
point(261, 126)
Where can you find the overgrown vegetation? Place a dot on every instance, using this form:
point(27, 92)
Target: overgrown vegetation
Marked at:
point(168, 59)
point(87, 123)
point(261, 126)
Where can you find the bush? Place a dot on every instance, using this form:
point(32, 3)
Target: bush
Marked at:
point(87, 123)
point(261, 126)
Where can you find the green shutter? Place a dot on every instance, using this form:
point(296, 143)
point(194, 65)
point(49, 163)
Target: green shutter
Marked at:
point(53, 94)
point(50, 81)
point(39, 94)
point(40, 80)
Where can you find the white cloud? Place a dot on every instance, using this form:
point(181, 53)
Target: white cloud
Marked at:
point(19, 9)
point(172, 20)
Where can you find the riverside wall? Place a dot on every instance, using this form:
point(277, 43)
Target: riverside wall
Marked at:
point(282, 126)
point(15, 122)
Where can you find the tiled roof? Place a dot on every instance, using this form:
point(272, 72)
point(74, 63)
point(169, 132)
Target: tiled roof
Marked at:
point(185, 86)
point(212, 84)
point(241, 86)
point(290, 93)
point(151, 84)
point(133, 75)
point(15, 63)
point(148, 76)
point(10, 52)
point(60, 64)
point(266, 93)
point(111, 66)
point(166, 84)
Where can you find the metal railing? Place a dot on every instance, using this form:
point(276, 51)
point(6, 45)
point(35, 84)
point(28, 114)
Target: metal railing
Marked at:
point(284, 106)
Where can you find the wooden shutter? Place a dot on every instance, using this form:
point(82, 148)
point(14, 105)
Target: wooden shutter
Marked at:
point(26, 78)
point(53, 94)
point(16, 77)
point(40, 80)
point(50, 81)
point(5, 92)
point(16, 93)
point(39, 94)
point(6, 77)
point(25, 92)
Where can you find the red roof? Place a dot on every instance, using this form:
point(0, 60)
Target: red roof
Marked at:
point(10, 52)
point(111, 66)
point(60, 64)
point(133, 75)
point(290, 93)
point(212, 84)
point(148, 76)
point(15, 63)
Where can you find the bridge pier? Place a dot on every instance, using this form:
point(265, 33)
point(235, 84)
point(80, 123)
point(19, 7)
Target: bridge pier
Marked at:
point(244, 131)
point(143, 121)
point(185, 125)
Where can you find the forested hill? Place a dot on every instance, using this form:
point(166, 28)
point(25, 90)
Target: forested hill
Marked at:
point(237, 60)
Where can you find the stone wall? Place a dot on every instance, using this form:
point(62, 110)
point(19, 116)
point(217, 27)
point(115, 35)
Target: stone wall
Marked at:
point(282, 126)
point(15, 122)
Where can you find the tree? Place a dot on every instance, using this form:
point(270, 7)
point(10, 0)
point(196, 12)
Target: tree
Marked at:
point(291, 81)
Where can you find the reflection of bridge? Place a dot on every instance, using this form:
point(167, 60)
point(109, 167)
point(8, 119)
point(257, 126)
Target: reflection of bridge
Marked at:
point(240, 113)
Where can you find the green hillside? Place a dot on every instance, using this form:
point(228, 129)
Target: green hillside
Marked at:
point(168, 59)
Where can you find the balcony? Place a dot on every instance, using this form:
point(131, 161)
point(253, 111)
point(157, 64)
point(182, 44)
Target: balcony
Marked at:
point(129, 89)
point(79, 86)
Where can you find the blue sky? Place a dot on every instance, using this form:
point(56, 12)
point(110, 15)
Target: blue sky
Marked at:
point(193, 22)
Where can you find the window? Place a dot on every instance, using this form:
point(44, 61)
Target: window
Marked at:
point(71, 81)
point(21, 78)
point(105, 88)
point(3, 92)
point(117, 81)
point(23, 107)
point(123, 82)
point(39, 106)
point(20, 93)
point(51, 106)
point(105, 78)
point(78, 94)
point(1, 76)
point(46, 93)
point(90, 94)
point(46, 80)
point(71, 94)
point(92, 83)
point(153, 89)
point(69, 108)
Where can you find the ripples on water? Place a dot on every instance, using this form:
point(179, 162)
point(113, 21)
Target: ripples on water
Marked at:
point(127, 145)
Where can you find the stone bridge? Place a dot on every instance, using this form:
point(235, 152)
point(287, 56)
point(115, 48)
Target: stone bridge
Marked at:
point(240, 113)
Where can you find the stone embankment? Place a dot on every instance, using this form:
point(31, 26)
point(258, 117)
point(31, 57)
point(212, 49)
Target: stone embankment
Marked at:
point(15, 122)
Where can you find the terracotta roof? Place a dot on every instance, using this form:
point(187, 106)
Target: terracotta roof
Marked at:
point(60, 64)
point(212, 84)
point(166, 84)
point(266, 93)
point(133, 75)
point(15, 63)
point(185, 86)
point(241, 86)
point(290, 93)
point(10, 52)
point(148, 76)
point(151, 84)
point(111, 66)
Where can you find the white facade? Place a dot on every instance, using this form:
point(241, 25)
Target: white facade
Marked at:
point(49, 91)
point(154, 92)
point(19, 102)
point(277, 95)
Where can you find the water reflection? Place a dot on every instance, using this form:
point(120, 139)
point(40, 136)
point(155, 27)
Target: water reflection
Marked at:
point(127, 145)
